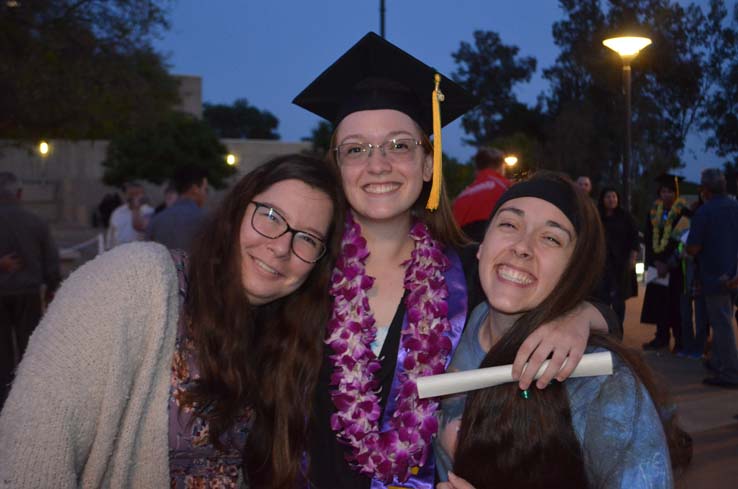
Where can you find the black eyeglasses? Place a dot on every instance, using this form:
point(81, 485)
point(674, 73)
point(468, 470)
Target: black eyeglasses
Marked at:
point(271, 224)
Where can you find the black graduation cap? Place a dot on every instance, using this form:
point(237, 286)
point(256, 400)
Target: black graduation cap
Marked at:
point(669, 180)
point(375, 74)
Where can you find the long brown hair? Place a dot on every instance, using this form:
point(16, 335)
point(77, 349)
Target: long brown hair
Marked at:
point(441, 222)
point(263, 358)
point(532, 444)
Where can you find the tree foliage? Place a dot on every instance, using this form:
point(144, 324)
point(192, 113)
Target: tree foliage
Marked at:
point(489, 69)
point(685, 81)
point(672, 81)
point(456, 175)
point(320, 137)
point(240, 120)
point(721, 111)
point(153, 153)
point(81, 69)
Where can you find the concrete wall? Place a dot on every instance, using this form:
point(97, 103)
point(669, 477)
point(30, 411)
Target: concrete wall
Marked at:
point(66, 185)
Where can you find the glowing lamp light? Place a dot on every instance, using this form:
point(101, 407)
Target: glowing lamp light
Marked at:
point(640, 268)
point(627, 47)
point(511, 160)
point(43, 148)
point(231, 159)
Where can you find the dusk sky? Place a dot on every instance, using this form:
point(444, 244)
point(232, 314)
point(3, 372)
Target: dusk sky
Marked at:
point(268, 51)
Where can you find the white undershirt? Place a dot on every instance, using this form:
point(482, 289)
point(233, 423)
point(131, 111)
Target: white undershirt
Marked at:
point(379, 340)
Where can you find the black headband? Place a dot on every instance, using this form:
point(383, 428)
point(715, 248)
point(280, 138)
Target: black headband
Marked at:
point(556, 192)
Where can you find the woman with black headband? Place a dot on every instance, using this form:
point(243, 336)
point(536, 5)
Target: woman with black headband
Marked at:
point(537, 262)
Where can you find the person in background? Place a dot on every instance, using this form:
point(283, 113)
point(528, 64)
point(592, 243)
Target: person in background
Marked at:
point(584, 183)
point(403, 283)
point(170, 197)
point(661, 301)
point(29, 261)
point(713, 239)
point(601, 431)
point(121, 227)
point(152, 369)
point(176, 226)
point(474, 204)
point(621, 240)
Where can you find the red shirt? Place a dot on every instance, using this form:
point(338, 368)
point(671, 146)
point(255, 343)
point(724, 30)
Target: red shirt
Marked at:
point(475, 202)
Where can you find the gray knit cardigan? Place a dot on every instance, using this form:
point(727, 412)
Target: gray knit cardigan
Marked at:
point(88, 407)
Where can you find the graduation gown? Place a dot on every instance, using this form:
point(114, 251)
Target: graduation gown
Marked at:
point(328, 466)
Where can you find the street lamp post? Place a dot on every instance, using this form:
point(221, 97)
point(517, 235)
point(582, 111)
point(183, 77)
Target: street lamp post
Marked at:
point(628, 48)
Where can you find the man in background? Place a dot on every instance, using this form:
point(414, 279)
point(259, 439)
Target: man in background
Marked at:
point(176, 226)
point(584, 183)
point(713, 239)
point(121, 229)
point(474, 204)
point(29, 260)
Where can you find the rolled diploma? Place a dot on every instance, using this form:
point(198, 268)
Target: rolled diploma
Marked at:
point(591, 364)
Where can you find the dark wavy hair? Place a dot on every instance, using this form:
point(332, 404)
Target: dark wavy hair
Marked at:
point(441, 222)
point(261, 358)
point(601, 201)
point(506, 442)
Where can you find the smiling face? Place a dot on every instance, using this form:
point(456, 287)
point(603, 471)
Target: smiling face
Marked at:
point(610, 200)
point(524, 254)
point(382, 188)
point(269, 268)
point(667, 195)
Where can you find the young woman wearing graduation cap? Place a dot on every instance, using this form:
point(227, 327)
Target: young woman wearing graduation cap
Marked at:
point(401, 288)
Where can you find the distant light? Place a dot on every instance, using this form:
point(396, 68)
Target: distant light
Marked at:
point(43, 148)
point(511, 160)
point(12, 3)
point(640, 268)
point(231, 159)
point(627, 47)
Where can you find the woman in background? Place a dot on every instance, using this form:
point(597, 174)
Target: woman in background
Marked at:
point(622, 246)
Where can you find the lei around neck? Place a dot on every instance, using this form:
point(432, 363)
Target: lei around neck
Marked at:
point(396, 452)
point(661, 236)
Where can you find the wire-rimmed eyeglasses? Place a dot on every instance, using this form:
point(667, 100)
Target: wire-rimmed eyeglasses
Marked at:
point(397, 150)
point(271, 224)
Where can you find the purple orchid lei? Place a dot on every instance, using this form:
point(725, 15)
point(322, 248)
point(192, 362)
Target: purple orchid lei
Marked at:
point(399, 451)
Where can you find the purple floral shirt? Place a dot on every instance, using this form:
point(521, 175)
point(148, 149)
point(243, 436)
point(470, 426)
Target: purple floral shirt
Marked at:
point(193, 462)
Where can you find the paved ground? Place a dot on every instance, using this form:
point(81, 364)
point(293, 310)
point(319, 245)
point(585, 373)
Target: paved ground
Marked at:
point(707, 413)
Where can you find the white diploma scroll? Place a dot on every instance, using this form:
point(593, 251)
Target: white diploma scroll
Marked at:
point(454, 382)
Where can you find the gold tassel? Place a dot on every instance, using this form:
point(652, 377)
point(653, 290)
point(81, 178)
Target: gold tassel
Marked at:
point(676, 186)
point(435, 194)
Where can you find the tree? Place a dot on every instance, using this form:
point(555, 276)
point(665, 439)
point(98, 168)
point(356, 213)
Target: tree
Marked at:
point(456, 175)
point(153, 153)
point(240, 120)
point(722, 107)
point(489, 70)
point(672, 80)
point(81, 69)
point(320, 137)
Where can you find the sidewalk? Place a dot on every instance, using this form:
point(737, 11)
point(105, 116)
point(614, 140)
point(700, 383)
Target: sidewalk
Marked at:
point(707, 413)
